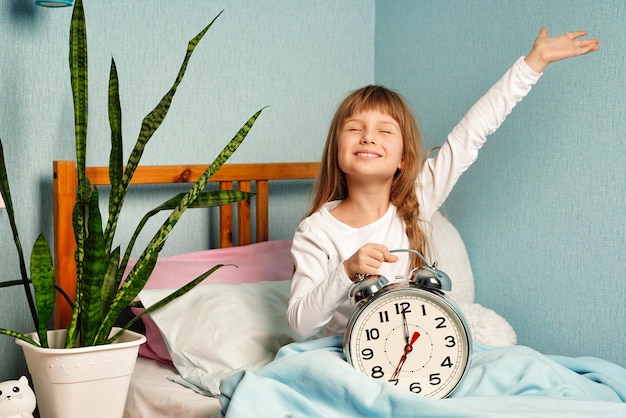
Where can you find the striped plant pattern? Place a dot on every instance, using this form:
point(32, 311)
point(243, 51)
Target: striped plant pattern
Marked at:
point(102, 292)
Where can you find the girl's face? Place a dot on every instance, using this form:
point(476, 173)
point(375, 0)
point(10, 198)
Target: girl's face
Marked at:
point(370, 146)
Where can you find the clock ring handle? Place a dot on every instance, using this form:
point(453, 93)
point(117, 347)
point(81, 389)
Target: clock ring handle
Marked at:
point(429, 276)
point(407, 250)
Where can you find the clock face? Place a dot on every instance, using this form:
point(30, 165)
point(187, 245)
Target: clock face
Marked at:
point(410, 338)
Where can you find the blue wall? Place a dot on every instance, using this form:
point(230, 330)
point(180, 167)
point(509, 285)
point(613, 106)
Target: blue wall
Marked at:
point(297, 58)
point(542, 210)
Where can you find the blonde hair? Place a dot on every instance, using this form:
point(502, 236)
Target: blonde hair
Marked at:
point(331, 182)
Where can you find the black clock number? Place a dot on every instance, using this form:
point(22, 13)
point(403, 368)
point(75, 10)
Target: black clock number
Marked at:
point(383, 316)
point(368, 354)
point(372, 334)
point(446, 362)
point(442, 322)
point(403, 308)
point(450, 340)
point(435, 379)
point(415, 387)
point(377, 372)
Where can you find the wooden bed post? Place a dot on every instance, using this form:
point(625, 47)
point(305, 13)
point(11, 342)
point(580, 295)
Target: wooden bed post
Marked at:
point(226, 219)
point(262, 210)
point(64, 242)
point(243, 215)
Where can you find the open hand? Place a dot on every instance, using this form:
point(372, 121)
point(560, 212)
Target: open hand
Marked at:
point(547, 50)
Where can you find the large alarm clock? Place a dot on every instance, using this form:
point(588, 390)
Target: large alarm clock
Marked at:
point(409, 334)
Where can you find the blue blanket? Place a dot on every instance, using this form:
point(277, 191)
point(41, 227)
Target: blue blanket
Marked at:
point(312, 379)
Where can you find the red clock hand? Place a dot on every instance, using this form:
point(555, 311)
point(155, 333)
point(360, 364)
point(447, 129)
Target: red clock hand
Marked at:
point(414, 338)
point(407, 349)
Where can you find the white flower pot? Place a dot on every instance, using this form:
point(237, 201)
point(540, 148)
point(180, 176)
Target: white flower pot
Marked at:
point(81, 382)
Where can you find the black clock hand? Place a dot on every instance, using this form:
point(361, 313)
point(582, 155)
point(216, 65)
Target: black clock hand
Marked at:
point(406, 328)
point(407, 349)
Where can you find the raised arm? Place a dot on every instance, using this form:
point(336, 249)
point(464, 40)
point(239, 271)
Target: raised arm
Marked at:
point(440, 173)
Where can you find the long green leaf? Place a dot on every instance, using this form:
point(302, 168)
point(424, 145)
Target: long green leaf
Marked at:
point(115, 122)
point(19, 335)
point(79, 81)
point(111, 283)
point(42, 273)
point(79, 218)
point(205, 200)
point(8, 203)
point(71, 338)
point(148, 127)
point(94, 270)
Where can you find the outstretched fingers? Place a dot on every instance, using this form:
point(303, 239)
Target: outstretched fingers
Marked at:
point(576, 34)
point(583, 45)
point(587, 45)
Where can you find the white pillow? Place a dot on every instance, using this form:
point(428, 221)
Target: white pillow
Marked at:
point(449, 251)
point(215, 330)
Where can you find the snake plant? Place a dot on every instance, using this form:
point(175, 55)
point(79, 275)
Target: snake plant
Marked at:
point(102, 292)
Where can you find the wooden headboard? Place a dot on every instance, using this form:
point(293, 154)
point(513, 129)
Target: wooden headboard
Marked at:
point(230, 177)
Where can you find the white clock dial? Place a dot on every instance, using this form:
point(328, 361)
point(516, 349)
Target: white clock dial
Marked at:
point(412, 339)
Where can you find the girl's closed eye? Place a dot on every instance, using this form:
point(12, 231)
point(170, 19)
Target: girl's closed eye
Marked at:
point(352, 127)
point(388, 129)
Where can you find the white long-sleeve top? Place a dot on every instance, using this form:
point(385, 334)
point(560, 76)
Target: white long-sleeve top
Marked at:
point(319, 291)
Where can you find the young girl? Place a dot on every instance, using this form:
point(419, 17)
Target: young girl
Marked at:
point(374, 192)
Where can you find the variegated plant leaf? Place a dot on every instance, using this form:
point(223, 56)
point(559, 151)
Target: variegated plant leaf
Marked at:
point(94, 269)
point(79, 216)
point(19, 336)
point(79, 76)
point(42, 274)
point(79, 82)
point(205, 200)
point(71, 339)
point(115, 122)
point(110, 284)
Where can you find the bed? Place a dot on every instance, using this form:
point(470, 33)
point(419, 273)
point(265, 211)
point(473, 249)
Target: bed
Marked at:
point(234, 352)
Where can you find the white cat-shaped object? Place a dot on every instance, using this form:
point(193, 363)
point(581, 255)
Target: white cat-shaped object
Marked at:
point(17, 399)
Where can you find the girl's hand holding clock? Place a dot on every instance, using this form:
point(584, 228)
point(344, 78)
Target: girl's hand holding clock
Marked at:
point(367, 260)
